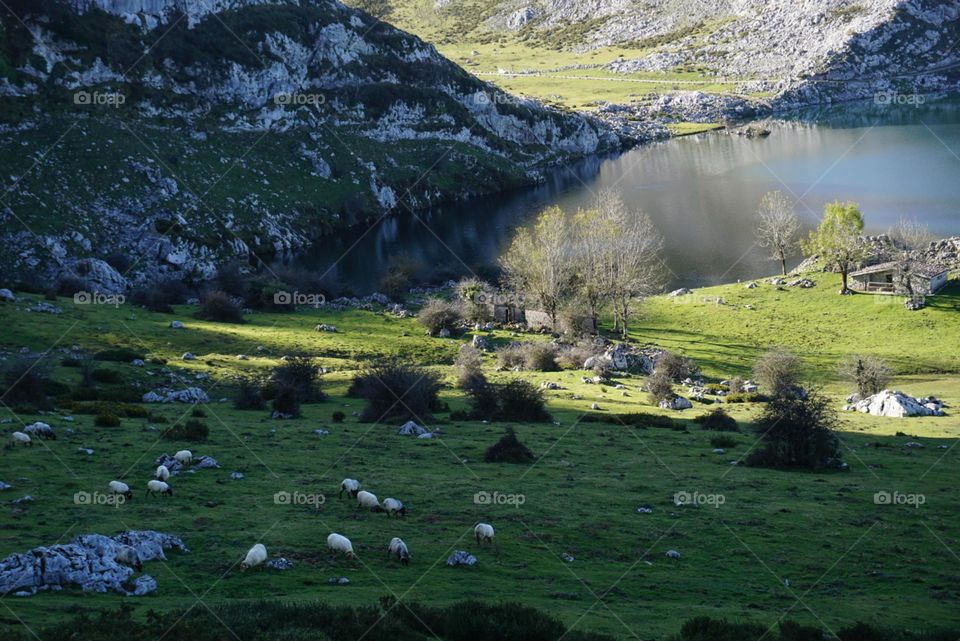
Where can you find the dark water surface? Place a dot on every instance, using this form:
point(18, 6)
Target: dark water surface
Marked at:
point(702, 193)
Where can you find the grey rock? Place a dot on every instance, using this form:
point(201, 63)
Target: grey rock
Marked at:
point(281, 563)
point(460, 557)
point(412, 429)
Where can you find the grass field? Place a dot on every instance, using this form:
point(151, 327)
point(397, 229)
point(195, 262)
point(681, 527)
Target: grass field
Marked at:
point(811, 547)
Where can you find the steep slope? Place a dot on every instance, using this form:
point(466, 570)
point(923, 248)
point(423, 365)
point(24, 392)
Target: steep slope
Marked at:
point(174, 135)
point(788, 52)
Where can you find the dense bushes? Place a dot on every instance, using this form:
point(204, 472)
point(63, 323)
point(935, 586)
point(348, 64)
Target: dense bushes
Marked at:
point(517, 401)
point(778, 373)
point(676, 367)
point(797, 433)
point(717, 420)
point(191, 430)
point(219, 306)
point(532, 357)
point(438, 314)
point(286, 402)
point(248, 396)
point(107, 419)
point(508, 449)
point(660, 387)
point(108, 376)
point(300, 374)
point(396, 391)
point(25, 382)
point(468, 366)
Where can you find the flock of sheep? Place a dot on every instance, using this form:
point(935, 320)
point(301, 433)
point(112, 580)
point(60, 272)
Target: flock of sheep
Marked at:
point(158, 484)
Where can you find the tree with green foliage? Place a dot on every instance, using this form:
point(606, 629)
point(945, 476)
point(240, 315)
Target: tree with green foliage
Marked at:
point(838, 239)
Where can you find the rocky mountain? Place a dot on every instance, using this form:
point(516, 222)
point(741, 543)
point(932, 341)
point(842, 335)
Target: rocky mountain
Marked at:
point(789, 52)
point(145, 138)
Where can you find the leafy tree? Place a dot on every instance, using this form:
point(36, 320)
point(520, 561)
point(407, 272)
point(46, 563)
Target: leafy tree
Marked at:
point(837, 240)
point(797, 433)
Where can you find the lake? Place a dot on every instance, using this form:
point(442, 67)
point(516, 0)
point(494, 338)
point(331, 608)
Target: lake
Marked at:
point(702, 193)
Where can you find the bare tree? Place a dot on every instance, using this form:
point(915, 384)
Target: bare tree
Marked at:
point(633, 261)
point(908, 236)
point(868, 374)
point(778, 228)
point(538, 262)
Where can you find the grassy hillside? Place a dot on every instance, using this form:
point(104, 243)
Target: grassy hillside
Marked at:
point(777, 538)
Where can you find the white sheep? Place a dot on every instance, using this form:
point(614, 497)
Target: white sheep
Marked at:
point(184, 457)
point(158, 487)
point(394, 506)
point(162, 473)
point(20, 437)
point(369, 501)
point(121, 488)
point(340, 543)
point(398, 549)
point(127, 555)
point(483, 532)
point(41, 431)
point(255, 556)
point(350, 486)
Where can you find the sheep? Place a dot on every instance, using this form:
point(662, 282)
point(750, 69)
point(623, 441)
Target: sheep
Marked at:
point(158, 487)
point(368, 500)
point(121, 488)
point(127, 555)
point(184, 457)
point(398, 549)
point(162, 473)
point(394, 506)
point(255, 556)
point(20, 437)
point(483, 532)
point(340, 543)
point(350, 486)
point(41, 431)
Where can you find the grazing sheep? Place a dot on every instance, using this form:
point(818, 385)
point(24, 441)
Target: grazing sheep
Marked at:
point(369, 501)
point(340, 543)
point(393, 506)
point(20, 437)
point(158, 487)
point(121, 488)
point(185, 457)
point(350, 486)
point(41, 431)
point(483, 532)
point(398, 549)
point(255, 556)
point(127, 555)
point(162, 473)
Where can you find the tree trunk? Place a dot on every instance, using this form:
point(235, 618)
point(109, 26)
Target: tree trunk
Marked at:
point(843, 275)
point(783, 262)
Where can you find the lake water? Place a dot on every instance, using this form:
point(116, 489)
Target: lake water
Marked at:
point(702, 193)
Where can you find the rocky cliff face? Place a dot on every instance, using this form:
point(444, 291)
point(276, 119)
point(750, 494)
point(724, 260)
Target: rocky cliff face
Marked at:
point(145, 138)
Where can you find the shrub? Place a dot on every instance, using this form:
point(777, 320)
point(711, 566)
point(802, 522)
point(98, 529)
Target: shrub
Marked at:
point(248, 396)
point(108, 376)
point(676, 367)
point(25, 382)
point(718, 420)
point(117, 355)
point(438, 314)
point(745, 397)
point(107, 419)
point(219, 306)
point(286, 401)
point(532, 357)
point(723, 441)
point(468, 364)
point(337, 417)
point(796, 433)
point(396, 391)
point(522, 402)
point(508, 449)
point(634, 419)
point(574, 356)
point(867, 374)
point(191, 430)
point(778, 372)
point(660, 386)
point(301, 374)
point(474, 295)
point(161, 296)
point(197, 412)
point(736, 384)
